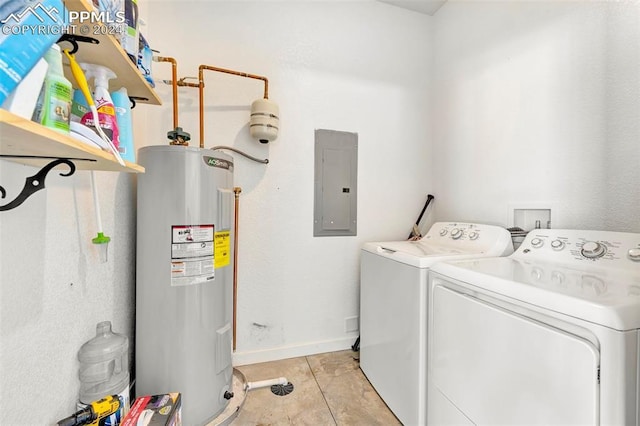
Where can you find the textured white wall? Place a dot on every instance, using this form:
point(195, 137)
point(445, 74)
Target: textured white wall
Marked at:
point(538, 102)
point(54, 290)
point(353, 66)
point(534, 102)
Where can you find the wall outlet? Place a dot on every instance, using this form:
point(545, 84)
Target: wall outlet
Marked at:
point(351, 324)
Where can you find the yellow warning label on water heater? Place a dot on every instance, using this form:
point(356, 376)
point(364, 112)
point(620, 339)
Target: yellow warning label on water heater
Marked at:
point(222, 243)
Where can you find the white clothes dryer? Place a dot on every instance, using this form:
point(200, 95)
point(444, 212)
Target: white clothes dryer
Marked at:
point(547, 336)
point(393, 308)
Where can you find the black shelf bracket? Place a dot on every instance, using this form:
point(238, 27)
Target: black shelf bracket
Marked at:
point(74, 39)
point(35, 183)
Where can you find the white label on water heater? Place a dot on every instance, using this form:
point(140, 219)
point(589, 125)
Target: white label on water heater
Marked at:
point(192, 249)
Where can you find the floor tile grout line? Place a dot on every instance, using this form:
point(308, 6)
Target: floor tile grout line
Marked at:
point(306, 358)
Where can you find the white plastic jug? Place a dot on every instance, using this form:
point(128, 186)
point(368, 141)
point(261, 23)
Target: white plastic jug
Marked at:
point(104, 366)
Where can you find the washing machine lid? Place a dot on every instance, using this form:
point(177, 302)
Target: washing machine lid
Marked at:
point(446, 240)
point(415, 253)
point(607, 297)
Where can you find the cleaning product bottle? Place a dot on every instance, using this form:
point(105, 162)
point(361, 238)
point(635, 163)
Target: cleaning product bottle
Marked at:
point(53, 108)
point(145, 59)
point(129, 38)
point(81, 80)
point(123, 116)
point(79, 106)
point(104, 104)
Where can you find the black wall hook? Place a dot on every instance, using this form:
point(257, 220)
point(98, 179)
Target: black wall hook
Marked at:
point(74, 39)
point(133, 100)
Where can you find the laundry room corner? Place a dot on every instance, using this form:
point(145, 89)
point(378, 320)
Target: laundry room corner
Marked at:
point(537, 102)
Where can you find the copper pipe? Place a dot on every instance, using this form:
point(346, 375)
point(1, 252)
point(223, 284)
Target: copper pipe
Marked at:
point(174, 85)
point(201, 103)
point(200, 86)
point(236, 191)
point(201, 69)
point(241, 74)
point(182, 82)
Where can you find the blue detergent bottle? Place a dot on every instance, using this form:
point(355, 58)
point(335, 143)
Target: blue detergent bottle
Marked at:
point(125, 125)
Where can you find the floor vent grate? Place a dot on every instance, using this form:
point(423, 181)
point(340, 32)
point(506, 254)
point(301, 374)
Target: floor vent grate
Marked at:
point(282, 390)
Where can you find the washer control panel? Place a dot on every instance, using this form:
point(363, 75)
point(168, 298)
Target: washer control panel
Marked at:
point(470, 236)
point(615, 249)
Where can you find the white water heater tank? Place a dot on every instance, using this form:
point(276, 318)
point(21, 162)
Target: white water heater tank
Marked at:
point(184, 278)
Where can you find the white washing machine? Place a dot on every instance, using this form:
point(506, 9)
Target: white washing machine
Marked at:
point(546, 336)
point(393, 308)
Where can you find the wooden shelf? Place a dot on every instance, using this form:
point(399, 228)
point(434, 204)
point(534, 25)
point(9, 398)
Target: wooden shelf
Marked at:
point(109, 53)
point(22, 137)
point(23, 141)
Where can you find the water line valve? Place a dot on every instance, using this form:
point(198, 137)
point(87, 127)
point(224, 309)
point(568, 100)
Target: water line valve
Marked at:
point(178, 137)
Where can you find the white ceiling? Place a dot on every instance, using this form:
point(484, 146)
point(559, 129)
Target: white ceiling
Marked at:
point(428, 7)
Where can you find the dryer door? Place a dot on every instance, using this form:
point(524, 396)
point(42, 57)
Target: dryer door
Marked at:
point(501, 368)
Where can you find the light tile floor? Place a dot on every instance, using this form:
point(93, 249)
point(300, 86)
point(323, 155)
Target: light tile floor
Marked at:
point(329, 389)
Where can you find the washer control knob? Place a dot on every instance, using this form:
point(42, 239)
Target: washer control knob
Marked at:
point(557, 245)
point(473, 235)
point(592, 285)
point(634, 254)
point(593, 250)
point(536, 274)
point(443, 232)
point(456, 233)
point(537, 242)
point(558, 278)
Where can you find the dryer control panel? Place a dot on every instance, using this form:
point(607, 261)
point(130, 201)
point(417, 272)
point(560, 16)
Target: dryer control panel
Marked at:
point(608, 249)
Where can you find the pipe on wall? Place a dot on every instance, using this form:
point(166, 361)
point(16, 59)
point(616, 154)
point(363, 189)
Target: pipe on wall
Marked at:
point(174, 84)
point(236, 191)
point(200, 86)
point(177, 135)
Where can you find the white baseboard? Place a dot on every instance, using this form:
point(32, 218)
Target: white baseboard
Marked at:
point(284, 352)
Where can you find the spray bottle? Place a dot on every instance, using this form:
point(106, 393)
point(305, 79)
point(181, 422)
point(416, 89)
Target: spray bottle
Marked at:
point(104, 104)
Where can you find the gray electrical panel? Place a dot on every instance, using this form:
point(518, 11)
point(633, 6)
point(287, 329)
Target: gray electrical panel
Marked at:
point(336, 178)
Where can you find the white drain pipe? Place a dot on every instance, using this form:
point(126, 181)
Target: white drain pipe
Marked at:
point(265, 383)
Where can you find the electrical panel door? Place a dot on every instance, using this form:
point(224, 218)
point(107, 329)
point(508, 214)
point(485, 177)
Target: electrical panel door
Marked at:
point(336, 172)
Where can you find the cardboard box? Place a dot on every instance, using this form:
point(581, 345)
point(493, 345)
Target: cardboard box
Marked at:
point(22, 101)
point(22, 43)
point(155, 410)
